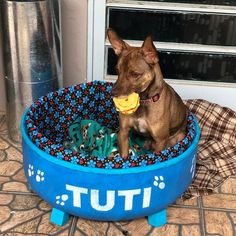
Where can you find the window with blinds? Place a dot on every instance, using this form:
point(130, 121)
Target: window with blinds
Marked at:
point(196, 40)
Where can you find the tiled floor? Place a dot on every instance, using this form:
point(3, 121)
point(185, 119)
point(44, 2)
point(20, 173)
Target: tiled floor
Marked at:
point(24, 213)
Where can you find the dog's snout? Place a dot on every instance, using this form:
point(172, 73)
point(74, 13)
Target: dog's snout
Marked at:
point(115, 92)
point(121, 87)
point(119, 90)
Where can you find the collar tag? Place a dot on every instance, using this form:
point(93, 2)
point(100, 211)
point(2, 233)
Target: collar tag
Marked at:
point(156, 98)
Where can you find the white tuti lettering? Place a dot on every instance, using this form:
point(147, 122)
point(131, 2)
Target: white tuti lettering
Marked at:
point(146, 197)
point(77, 191)
point(95, 200)
point(129, 195)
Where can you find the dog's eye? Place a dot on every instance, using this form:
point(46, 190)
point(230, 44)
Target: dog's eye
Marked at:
point(135, 74)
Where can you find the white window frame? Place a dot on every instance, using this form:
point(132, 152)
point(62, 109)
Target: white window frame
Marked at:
point(218, 92)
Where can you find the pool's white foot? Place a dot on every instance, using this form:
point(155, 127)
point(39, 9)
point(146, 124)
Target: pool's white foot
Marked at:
point(158, 219)
point(59, 217)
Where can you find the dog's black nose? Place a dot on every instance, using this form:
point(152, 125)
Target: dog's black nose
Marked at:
point(115, 91)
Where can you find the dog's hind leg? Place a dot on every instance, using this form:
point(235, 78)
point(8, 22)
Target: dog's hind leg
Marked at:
point(174, 139)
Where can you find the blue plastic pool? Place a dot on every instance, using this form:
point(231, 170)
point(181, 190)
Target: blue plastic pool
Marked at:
point(99, 193)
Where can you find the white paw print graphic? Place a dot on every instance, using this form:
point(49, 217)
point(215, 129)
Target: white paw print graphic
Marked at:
point(60, 200)
point(159, 182)
point(40, 176)
point(192, 170)
point(30, 170)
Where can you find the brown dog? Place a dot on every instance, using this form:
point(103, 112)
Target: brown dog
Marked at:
point(162, 114)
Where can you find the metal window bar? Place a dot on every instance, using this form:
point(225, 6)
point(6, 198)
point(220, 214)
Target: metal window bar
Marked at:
point(185, 47)
point(176, 7)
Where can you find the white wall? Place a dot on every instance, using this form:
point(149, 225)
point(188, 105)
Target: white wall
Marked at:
point(74, 31)
point(74, 44)
point(2, 87)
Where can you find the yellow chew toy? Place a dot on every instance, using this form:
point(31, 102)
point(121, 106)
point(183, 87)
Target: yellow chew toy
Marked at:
point(127, 105)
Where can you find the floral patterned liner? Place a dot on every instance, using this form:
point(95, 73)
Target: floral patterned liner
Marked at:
point(48, 119)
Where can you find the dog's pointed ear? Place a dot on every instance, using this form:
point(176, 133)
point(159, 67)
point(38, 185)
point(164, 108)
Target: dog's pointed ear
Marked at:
point(117, 43)
point(149, 51)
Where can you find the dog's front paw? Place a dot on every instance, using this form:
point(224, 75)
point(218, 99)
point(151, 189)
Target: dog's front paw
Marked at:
point(124, 154)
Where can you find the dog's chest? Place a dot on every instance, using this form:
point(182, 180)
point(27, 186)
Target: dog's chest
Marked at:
point(140, 125)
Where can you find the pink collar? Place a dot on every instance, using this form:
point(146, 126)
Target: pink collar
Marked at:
point(154, 98)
